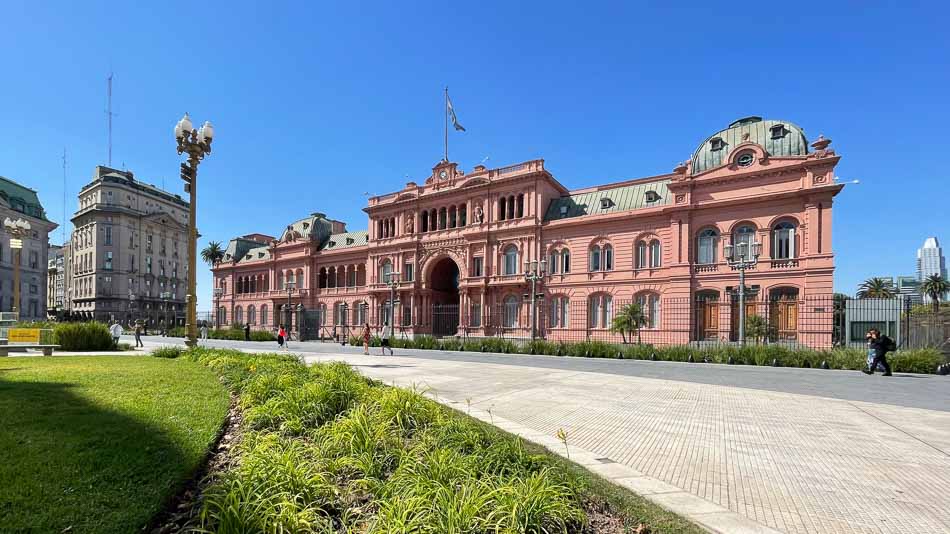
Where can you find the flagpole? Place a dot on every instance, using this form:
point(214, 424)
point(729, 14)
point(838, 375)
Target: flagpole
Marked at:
point(446, 129)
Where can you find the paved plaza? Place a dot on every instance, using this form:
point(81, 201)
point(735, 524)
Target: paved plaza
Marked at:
point(736, 449)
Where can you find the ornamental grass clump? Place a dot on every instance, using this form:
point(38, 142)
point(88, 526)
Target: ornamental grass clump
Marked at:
point(82, 336)
point(325, 450)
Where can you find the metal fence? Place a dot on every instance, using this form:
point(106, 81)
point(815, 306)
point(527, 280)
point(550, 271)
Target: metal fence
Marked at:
point(815, 321)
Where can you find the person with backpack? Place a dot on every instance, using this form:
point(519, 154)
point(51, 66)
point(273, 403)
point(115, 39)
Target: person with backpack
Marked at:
point(881, 345)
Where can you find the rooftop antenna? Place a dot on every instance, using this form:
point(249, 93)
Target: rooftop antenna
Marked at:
point(486, 158)
point(109, 114)
point(64, 195)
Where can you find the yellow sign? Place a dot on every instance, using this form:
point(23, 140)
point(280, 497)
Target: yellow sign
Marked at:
point(23, 335)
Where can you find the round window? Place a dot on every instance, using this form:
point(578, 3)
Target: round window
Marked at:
point(744, 160)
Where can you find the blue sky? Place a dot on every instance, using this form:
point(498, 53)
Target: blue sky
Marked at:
point(316, 103)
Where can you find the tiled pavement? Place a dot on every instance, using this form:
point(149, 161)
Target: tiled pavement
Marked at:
point(733, 459)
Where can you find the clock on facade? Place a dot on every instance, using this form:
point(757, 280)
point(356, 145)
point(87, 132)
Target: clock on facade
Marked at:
point(443, 174)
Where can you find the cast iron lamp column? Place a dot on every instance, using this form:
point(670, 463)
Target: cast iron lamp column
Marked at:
point(741, 257)
point(290, 286)
point(17, 230)
point(197, 143)
point(218, 291)
point(393, 283)
point(534, 271)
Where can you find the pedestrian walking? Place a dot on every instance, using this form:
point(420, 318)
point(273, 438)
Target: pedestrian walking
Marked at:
point(366, 336)
point(138, 335)
point(386, 340)
point(116, 331)
point(204, 331)
point(881, 345)
point(247, 331)
point(281, 336)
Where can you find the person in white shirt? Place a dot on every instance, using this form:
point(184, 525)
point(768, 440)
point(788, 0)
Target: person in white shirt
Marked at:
point(116, 331)
point(204, 331)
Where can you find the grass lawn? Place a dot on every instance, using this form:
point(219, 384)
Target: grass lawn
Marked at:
point(98, 443)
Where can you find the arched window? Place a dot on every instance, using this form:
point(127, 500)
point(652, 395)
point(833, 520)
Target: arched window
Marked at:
point(502, 210)
point(385, 269)
point(425, 221)
point(553, 262)
point(324, 282)
point(511, 207)
point(264, 314)
point(222, 315)
point(600, 311)
point(251, 314)
point(339, 314)
point(511, 260)
point(641, 255)
point(520, 209)
point(511, 311)
point(650, 308)
point(565, 261)
point(443, 218)
point(656, 256)
point(744, 234)
point(608, 258)
point(595, 258)
point(706, 245)
point(783, 241)
point(559, 312)
point(238, 315)
point(359, 313)
point(301, 280)
point(463, 214)
point(452, 216)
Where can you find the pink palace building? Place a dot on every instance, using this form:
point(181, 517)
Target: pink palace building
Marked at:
point(461, 242)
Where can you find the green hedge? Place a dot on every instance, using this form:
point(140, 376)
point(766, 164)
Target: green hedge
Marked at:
point(233, 334)
point(908, 361)
point(83, 336)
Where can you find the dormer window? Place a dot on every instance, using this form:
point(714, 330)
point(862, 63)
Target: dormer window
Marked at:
point(563, 211)
point(349, 241)
point(331, 244)
point(716, 143)
point(745, 159)
point(652, 196)
point(605, 203)
point(778, 131)
point(306, 225)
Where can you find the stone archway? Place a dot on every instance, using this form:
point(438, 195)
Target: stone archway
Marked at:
point(443, 282)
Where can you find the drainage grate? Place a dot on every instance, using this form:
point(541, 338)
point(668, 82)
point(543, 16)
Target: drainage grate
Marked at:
point(605, 460)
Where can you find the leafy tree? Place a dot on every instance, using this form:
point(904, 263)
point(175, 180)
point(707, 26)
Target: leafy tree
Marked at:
point(876, 288)
point(213, 253)
point(935, 287)
point(629, 321)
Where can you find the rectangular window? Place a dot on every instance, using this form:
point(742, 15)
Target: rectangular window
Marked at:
point(148, 243)
point(34, 259)
point(475, 315)
point(477, 266)
point(108, 235)
point(108, 263)
point(34, 289)
point(148, 264)
point(407, 272)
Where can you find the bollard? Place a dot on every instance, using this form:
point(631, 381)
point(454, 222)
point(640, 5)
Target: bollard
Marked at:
point(731, 360)
point(774, 362)
point(653, 356)
point(824, 364)
point(690, 359)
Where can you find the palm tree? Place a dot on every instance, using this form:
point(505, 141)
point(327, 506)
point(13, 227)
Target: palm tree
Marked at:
point(876, 288)
point(757, 328)
point(629, 320)
point(213, 253)
point(935, 287)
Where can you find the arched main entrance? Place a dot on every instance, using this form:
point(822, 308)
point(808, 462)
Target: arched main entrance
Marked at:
point(444, 284)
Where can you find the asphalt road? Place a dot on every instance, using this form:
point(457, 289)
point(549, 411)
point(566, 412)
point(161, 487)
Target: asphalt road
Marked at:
point(903, 389)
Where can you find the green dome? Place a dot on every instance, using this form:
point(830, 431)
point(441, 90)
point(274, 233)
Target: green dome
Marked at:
point(778, 138)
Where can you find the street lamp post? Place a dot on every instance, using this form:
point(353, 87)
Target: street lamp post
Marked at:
point(534, 272)
point(290, 286)
point(344, 309)
point(17, 229)
point(218, 291)
point(197, 143)
point(393, 283)
point(742, 256)
point(165, 295)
